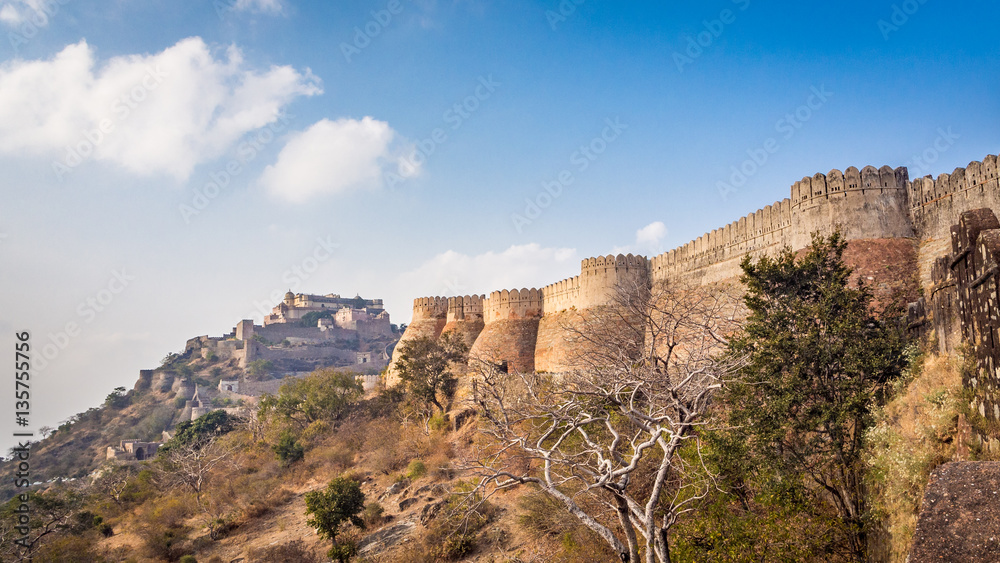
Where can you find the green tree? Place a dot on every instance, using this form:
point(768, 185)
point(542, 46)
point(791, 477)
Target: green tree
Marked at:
point(215, 423)
point(817, 360)
point(311, 318)
point(288, 449)
point(325, 394)
point(341, 502)
point(118, 399)
point(425, 368)
point(260, 370)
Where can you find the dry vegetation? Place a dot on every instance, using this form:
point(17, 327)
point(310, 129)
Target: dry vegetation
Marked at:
point(916, 432)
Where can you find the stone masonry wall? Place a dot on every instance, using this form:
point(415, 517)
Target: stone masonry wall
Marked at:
point(894, 228)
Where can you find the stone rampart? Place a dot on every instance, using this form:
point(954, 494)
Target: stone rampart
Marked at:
point(465, 317)
point(561, 296)
point(935, 203)
point(512, 305)
point(893, 226)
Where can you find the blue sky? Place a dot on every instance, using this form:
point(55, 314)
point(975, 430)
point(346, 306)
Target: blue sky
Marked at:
point(396, 148)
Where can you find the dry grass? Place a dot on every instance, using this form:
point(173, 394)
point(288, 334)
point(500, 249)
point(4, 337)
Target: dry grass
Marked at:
point(915, 433)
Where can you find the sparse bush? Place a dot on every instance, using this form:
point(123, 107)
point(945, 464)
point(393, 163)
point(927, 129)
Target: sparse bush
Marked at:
point(438, 422)
point(288, 449)
point(415, 470)
point(188, 559)
point(162, 530)
point(373, 515)
point(291, 552)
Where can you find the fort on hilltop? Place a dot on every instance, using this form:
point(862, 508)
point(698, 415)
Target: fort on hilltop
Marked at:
point(303, 333)
point(896, 229)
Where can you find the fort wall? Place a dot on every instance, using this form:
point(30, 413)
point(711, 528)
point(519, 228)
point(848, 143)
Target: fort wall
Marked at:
point(465, 317)
point(893, 226)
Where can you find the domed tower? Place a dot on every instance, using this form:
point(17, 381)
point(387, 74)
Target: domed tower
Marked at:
point(289, 299)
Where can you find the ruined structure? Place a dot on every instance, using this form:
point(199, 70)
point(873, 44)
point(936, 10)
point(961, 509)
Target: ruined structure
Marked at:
point(133, 450)
point(896, 229)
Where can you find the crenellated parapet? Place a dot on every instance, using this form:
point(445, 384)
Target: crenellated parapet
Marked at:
point(818, 189)
point(465, 308)
point(764, 229)
point(880, 211)
point(512, 305)
point(927, 191)
point(868, 203)
point(601, 275)
point(934, 202)
point(430, 308)
point(561, 295)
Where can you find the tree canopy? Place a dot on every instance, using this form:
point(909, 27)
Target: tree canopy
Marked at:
point(326, 394)
point(341, 502)
point(818, 361)
point(425, 367)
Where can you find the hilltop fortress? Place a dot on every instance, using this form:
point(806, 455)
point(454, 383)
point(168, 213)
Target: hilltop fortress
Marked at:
point(896, 229)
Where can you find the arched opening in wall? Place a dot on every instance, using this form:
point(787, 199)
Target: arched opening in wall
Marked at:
point(140, 454)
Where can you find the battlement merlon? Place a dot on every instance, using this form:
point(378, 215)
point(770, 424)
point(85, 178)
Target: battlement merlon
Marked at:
point(466, 307)
point(430, 308)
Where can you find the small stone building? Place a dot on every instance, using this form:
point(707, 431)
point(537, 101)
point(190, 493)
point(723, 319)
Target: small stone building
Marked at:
point(133, 450)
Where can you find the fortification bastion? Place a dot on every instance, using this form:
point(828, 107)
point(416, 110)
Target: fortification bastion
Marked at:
point(896, 229)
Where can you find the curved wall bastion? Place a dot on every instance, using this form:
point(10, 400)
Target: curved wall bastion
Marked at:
point(895, 227)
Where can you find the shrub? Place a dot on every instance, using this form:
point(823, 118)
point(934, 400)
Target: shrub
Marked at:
point(288, 449)
point(291, 552)
point(373, 514)
point(341, 502)
point(416, 470)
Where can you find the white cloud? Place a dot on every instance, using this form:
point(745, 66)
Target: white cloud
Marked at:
point(333, 157)
point(16, 12)
point(453, 273)
point(167, 112)
point(648, 241)
point(651, 235)
point(259, 6)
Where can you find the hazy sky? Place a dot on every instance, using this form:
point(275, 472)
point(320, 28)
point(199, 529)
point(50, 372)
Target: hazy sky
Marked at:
point(172, 166)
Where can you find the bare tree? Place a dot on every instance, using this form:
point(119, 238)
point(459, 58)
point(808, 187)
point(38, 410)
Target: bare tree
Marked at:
point(191, 465)
point(114, 479)
point(610, 431)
